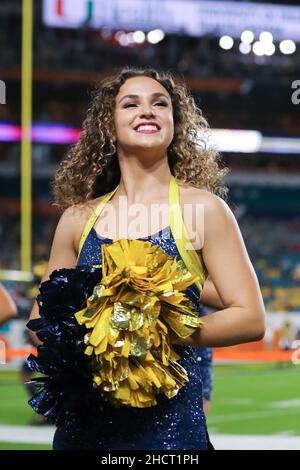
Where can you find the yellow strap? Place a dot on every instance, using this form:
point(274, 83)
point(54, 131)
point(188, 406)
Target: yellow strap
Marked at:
point(92, 219)
point(185, 247)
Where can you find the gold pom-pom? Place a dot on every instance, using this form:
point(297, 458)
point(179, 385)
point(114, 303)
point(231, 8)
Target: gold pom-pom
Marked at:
point(129, 316)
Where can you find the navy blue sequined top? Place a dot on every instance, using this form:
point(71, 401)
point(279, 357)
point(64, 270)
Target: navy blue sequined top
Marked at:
point(91, 255)
point(173, 424)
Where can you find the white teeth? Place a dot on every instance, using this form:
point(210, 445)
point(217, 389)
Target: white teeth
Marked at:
point(146, 128)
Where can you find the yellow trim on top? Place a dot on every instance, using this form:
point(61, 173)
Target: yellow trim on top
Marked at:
point(92, 219)
point(178, 229)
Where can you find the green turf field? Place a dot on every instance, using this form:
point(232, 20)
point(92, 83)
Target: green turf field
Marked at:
point(247, 399)
point(21, 446)
point(256, 399)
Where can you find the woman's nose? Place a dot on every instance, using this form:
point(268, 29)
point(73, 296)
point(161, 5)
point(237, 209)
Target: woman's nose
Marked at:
point(146, 110)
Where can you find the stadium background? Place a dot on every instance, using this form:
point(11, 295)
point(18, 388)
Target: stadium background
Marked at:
point(245, 91)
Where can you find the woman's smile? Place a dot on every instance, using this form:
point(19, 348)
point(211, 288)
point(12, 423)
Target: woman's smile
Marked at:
point(147, 128)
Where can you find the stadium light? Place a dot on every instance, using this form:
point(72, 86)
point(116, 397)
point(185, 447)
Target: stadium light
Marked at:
point(287, 46)
point(266, 37)
point(245, 48)
point(247, 37)
point(258, 48)
point(226, 42)
point(236, 140)
point(269, 48)
point(124, 39)
point(139, 37)
point(155, 36)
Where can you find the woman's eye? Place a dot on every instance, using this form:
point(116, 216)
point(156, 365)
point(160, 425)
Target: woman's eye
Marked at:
point(159, 103)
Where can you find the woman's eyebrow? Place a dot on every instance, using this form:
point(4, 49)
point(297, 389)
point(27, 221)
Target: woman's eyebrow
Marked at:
point(154, 95)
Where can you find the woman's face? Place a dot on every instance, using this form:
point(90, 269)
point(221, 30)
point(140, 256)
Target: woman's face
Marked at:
point(143, 115)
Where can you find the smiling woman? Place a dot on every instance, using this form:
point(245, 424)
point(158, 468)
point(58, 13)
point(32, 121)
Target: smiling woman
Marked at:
point(129, 312)
point(143, 119)
point(95, 154)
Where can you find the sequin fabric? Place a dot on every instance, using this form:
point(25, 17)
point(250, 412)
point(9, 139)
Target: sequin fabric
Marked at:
point(91, 255)
point(173, 424)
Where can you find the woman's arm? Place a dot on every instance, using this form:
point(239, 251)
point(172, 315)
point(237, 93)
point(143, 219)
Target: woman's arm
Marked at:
point(210, 295)
point(63, 252)
point(224, 253)
point(8, 309)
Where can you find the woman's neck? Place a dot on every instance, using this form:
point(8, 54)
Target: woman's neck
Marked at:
point(143, 183)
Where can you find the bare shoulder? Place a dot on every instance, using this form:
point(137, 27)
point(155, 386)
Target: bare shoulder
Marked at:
point(212, 202)
point(77, 216)
point(205, 214)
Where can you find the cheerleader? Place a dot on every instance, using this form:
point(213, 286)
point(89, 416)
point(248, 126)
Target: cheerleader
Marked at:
point(142, 152)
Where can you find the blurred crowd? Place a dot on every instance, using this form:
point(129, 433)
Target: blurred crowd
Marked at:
point(99, 50)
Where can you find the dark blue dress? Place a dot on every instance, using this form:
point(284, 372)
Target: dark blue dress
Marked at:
point(173, 424)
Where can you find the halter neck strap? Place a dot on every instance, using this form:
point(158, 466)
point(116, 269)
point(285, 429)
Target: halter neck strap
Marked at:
point(186, 249)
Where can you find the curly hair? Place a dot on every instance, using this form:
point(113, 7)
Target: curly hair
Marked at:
point(91, 168)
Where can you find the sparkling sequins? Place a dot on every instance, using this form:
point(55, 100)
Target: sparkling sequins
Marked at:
point(173, 424)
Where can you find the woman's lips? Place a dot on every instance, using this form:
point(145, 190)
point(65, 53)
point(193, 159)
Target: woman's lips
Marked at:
point(152, 131)
point(147, 128)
